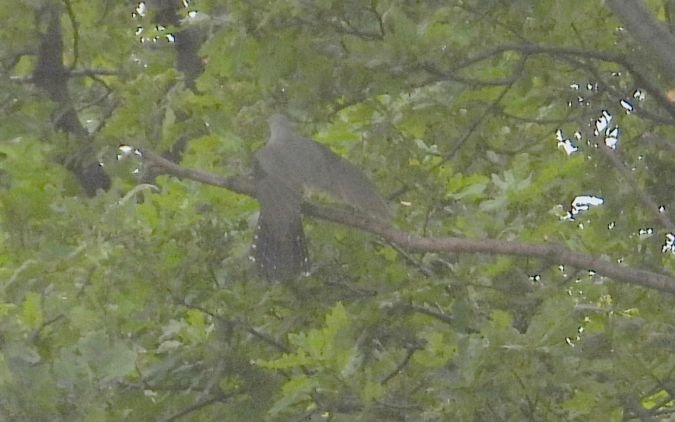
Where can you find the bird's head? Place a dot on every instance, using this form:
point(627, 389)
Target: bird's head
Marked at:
point(280, 127)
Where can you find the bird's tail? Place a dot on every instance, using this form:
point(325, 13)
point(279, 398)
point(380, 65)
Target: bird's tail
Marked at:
point(279, 246)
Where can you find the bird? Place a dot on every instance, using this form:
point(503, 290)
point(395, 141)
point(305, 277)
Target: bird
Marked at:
point(284, 169)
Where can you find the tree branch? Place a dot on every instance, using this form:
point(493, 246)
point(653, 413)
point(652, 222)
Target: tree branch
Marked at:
point(195, 407)
point(255, 333)
point(238, 184)
point(70, 74)
point(426, 311)
point(51, 76)
point(410, 351)
point(581, 53)
point(647, 31)
point(548, 251)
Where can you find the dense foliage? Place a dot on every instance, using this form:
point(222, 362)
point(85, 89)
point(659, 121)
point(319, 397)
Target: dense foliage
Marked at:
point(127, 293)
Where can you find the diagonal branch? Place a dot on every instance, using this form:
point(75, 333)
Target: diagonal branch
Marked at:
point(647, 31)
point(548, 251)
point(410, 351)
point(254, 332)
point(220, 397)
point(243, 185)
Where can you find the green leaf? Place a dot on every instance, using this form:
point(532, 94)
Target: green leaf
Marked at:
point(31, 311)
point(296, 390)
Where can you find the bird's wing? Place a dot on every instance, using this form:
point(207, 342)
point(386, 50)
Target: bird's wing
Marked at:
point(346, 182)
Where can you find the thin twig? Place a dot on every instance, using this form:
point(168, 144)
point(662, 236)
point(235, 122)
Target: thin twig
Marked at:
point(426, 311)
point(197, 406)
point(399, 368)
point(71, 74)
point(472, 128)
point(414, 262)
point(258, 334)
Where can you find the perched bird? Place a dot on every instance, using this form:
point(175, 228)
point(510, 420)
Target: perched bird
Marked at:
point(284, 168)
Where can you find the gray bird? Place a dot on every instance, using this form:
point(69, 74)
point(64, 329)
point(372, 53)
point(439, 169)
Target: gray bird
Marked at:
point(287, 165)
